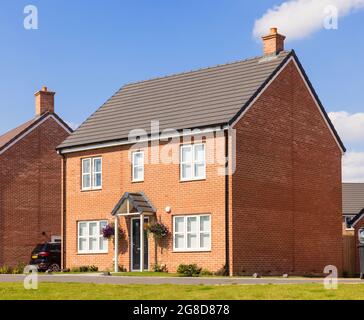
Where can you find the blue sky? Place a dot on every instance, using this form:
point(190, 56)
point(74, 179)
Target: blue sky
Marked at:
point(86, 50)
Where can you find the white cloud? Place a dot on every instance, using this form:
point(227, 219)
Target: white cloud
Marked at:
point(350, 127)
point(353, 167)
point(298, 19)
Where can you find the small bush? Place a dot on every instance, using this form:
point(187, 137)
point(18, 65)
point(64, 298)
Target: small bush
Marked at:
point(189, 270)
point(84, 269)
point(19, 269)
point(66, 270)
point(6, 270)
point(222, 272)
point(160, 268)
point(93, 269)
point(122, 269)
point(205, 272)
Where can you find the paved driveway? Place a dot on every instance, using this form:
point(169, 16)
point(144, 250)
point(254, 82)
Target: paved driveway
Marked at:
point(124, 280)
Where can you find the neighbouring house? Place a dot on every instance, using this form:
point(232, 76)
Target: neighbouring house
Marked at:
point(353, 210)
point(239, 162)
point(30, 182)
point(353, 204)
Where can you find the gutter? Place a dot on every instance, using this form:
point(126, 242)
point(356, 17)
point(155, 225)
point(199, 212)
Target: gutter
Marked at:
point(227, 195)
point(63, 216)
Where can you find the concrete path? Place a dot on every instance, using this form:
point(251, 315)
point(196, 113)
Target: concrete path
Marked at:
point(125, 280)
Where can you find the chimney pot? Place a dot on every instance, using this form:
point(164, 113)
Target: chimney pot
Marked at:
point(44, 101)
point(273, 43)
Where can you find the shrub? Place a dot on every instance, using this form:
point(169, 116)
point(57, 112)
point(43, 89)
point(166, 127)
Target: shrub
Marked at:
point(93, 269)
point(206, 272)
point(222, 271)
point(84, 269)
point(160, 268)
point(189, 270)
point(19, 269)
point(122, 269)
point(5, 270)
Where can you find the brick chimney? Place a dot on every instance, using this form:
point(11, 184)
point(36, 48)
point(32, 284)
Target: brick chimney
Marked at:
point(273, 43)
point(44, 101)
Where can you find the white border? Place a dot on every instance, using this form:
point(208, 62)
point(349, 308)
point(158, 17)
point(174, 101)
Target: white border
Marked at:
point(32, 129)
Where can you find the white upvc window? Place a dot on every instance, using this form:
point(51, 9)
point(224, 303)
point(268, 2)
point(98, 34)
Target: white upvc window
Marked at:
point(90, 238)
point(193, 162)
point(192, 233)
point(92, 173)
point(138, 166)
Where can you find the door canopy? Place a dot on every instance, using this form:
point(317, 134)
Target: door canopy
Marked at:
point(135, 203)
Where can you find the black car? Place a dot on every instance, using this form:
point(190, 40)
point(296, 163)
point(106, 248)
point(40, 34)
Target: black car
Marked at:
point(47, 256)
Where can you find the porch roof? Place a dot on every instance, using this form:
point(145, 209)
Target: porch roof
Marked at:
point(133, 203)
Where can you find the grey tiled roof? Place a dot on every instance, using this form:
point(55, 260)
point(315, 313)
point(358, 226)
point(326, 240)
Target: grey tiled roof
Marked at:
point(353, 198)
point(211, 96)
point(138, 200)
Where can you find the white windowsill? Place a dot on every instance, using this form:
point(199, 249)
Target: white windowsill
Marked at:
point(192, 179)
point(191, 250)
point(92, 252)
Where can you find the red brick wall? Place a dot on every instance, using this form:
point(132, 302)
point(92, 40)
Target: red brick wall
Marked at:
point(30, 192)
point(163, 188)
point(287, 188)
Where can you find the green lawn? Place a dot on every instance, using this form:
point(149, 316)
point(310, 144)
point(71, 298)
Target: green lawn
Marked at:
point(78, 291)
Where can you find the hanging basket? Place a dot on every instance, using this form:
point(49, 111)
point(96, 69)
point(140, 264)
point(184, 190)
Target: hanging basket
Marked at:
point(108, 231)
point(158, 229)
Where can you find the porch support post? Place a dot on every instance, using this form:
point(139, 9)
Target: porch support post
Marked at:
point(116, 245)
point(142, 242)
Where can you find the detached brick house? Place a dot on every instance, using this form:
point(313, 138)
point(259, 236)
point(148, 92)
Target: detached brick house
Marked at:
point(274, 205)
point(30, 182)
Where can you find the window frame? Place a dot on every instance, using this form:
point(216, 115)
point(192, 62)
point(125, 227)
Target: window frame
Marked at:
point(134, 165)
point(92, 173)
point(193, 162)
point(185, 233)
point(87, 237)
